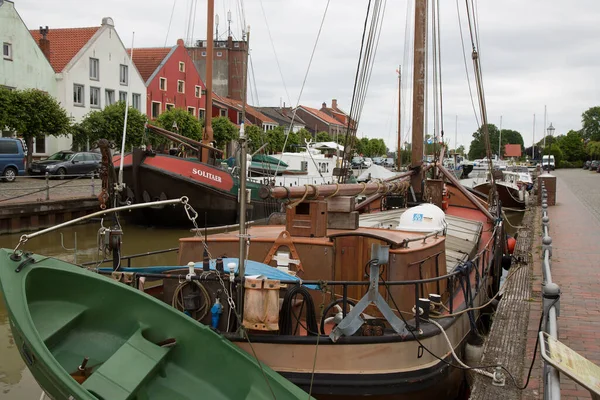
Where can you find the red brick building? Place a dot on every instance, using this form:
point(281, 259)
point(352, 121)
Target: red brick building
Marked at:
point(337, 113)
point(172, 80)
point(318, 121)
point(232, 109)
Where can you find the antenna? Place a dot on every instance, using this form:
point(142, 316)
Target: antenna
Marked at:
point(217, 27)
point(229, 23)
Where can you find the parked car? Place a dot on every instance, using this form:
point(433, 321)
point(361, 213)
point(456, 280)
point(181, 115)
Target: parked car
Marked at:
point(378, 160)
point(67, 163)
point(367, 162)
point(357, 162)
point(594, 165)
point(586, 165)
point(548, 163)
point(13, 153)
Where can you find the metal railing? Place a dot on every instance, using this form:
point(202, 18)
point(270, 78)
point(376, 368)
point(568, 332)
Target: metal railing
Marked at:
point(550, 302)
point(44, 188)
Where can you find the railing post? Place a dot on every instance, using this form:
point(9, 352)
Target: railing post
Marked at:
point(550, 297)
point(547, 245)
point(93, 189)
point(47, 186)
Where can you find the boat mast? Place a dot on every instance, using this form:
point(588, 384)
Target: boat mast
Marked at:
point(399, 158)
point(243, 167)
point(420, 46)
point(207, 138)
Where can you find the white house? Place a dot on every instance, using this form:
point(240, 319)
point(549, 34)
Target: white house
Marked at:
point(23, 65)
point(92, 70)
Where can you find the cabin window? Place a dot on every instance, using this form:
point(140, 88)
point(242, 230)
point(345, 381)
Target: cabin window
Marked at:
point(198, 91)
point(123, 97)
point(162, 83)
point(110, 97)
point(181, 86)
point(155, 109)
point(123, 74)
point(95, 97)
point(7, 51)
point(94, 69)
point(304, 165)
point(181, 66)
point(137, 101)
point(78, 93)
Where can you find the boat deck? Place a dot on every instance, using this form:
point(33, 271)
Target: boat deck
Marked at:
point(461, 238)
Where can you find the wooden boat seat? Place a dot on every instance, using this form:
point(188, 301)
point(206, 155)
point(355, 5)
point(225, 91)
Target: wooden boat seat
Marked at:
point(53, 317)
point(127, 369)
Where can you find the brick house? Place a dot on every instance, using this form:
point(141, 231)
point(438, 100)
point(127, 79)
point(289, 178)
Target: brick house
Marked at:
point(318, 121)
point(171, 79)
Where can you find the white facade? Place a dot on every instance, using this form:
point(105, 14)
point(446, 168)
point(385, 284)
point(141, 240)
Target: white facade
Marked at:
point(105, 47)
point(22, 63)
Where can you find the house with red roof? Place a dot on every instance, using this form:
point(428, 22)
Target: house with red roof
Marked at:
point(337, 113)
point(512, 150)
point(318, 121)
point(171, 80)
point(232, 109)
point(92, 70)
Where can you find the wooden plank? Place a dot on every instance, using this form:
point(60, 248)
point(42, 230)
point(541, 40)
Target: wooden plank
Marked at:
point(343, 220)
point(341, 204)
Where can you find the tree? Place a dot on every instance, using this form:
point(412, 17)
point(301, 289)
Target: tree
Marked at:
point(108, 124)
point(276, 138)
point(223, 131)
point(590, 120)
point(460, 150)
point(556, 152)
point(478, 147)
point(256, 137)
point(187, 124)
point(572, 146)
point(323, 137)
point(593, 149)
point(33, 114)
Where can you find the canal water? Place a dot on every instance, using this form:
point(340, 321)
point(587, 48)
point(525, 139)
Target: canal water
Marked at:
point(16, 382)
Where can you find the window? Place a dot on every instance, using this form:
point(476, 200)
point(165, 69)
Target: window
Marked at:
point(236, 44)
point(239, 117)
point(191, 110)
point(180, 86)
point(201, 113)
point(155, 109)
point(223, 112)
point(7, 51)
point(110, 97)
point(123, 96)
point(40, 145)
point(169, 106)
point(303, 165)
point(137, 101)
point(162, 84)
point(78, 98)
point(198, 91)
point(9, 147)
point(94, 69)
point(94, 97)
point(219, 53)
point(123, 74)
point(78, 157)
point(203, 54)
point(181, 66)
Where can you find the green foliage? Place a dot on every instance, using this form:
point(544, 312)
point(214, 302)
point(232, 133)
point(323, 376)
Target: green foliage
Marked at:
point(509, 136)
point(590, 121)
point(323, 137)
point(276, 138)
point(32, 114)
point(569, 164)
point(256, 137)
point(571, 145)
point(187, 124)
point(223, 131)
point(593, 150)
point(304, 135)
point(460, 150)
point(556, 152)
point(108, 124)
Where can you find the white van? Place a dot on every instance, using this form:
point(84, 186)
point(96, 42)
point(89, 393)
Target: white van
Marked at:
point(548, 163)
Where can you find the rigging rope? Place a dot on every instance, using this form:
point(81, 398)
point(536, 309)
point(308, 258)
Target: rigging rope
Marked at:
point(464, 51)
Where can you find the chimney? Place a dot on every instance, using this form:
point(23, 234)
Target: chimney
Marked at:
point(324, 105)
point(334, 104)
point(44, 42)
point(180, 42)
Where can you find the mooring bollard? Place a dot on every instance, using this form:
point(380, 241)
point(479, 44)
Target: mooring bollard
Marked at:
point(47, 186)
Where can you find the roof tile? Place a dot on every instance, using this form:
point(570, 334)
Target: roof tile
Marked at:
point(322, 115)
point(65, 44)
point(147, 60)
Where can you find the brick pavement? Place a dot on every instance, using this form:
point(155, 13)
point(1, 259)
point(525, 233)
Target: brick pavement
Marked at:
point(574, 227)
point(29, 190)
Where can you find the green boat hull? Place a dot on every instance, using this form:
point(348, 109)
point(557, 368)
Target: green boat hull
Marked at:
point(60, 313)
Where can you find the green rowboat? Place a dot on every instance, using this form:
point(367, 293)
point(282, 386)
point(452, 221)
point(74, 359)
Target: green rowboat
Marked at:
point(134, 346)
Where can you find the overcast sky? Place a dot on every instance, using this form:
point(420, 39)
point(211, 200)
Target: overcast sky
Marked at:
point(534, 53)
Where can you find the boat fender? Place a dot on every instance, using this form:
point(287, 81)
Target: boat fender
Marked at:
point(511, 242)
point(216, 311)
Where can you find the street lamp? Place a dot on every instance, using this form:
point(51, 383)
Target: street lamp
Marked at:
point(550, 131)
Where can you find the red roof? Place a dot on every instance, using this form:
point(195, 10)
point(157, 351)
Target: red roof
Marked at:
point(236, 104)
point(65, 43)
point(147, 60)
point(322, 115)
point(512, 150)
